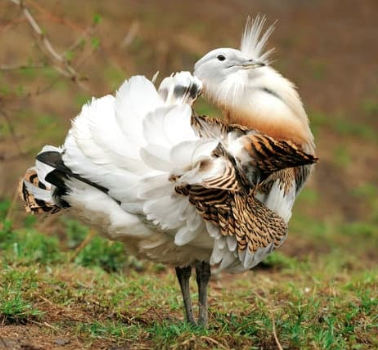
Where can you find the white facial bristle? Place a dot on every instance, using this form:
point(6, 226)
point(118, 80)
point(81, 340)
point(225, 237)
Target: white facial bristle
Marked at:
point(253, 41)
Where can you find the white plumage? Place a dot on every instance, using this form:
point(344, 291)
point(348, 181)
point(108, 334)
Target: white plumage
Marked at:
point(177, 188)
point(132, 145)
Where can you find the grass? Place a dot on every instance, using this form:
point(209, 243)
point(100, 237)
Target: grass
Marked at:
point(14, 307)
point(318, 301)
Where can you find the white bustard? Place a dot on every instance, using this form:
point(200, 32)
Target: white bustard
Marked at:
point(179, 188)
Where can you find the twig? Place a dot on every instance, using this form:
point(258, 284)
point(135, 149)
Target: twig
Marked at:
point(86, 33)
point(68, 70)
point(27, 95)
point(21, 67)
point(53, 18)
point(46, 300)
point(275, 334)
point(38, 30)
point(156, 313)
point(46, 88)
point(211, 340)
point(131, 34)
point(45, 324)
point(83, 244)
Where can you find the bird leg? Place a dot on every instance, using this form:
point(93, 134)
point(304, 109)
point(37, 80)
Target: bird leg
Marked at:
point(183, 276)
point(203, 274)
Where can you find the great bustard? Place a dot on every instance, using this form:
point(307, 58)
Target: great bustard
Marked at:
point(183, 189)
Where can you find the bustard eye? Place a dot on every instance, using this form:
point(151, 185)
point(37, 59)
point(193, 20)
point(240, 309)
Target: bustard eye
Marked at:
point(221, 57)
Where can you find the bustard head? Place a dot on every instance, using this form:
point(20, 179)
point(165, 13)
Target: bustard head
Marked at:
point(252, 93)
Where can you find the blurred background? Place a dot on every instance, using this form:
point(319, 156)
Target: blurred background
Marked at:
point(328, 48)
point(56, 54)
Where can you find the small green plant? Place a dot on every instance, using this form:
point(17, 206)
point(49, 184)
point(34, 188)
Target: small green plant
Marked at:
point(14, 307)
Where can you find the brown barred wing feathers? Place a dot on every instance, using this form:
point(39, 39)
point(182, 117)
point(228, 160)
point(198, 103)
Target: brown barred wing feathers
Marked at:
point(270, 155)
point(226, 203)
point(32, 204)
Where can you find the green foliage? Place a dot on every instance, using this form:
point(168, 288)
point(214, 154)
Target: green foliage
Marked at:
point(69, 55)
point(110, 329)
point(95, 42)
point(14, 308)
point(28, 246)
point(4, 207)
point(370, 106)
point(25, 246)
point(100, 252)
point(278, 260)
point(167, 334)
point(96, 19)
point(108, 255)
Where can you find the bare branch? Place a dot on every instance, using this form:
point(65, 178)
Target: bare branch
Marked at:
point(83, 244)
point(21, 67)
point(38, 30)
point(86, 33)
point(131, 34)
point(67, 70)
point(279, 346)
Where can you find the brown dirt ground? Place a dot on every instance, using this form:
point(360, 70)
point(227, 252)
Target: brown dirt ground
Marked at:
point(37, 337)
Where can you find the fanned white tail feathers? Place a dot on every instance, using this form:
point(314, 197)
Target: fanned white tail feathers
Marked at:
point(139, 146)
point(133, 144)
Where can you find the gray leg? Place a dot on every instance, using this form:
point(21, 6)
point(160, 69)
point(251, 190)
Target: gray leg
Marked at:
point(183, 276)
point(203, 273)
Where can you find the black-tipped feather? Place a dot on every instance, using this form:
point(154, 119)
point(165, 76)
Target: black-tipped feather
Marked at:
point(54, 159)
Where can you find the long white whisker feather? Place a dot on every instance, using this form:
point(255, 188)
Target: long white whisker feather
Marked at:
point(253, 41)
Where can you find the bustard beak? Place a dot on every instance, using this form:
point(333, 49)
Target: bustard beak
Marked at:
point(251, 63)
